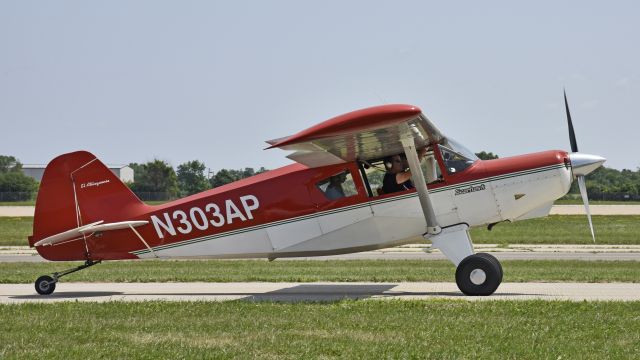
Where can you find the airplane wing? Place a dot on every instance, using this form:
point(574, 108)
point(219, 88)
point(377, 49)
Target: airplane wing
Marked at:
point(369, 133)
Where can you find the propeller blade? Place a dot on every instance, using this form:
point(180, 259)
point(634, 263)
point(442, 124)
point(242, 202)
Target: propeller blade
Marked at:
point(585, 200)
point(572, 134)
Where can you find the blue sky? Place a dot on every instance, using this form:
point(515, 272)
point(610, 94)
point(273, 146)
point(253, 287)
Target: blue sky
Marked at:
point(135, 80)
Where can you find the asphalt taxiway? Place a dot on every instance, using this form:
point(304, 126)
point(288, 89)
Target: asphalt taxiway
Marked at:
point(423, 252)
point(296, 292)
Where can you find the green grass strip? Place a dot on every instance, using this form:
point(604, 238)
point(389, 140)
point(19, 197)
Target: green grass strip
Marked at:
point(14, 230)
point(555, 229)
point(313, 270)
point(344, 329)
point(563, 229)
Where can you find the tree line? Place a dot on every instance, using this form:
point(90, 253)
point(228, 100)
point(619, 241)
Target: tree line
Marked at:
point(14, 184)
point(158, 180)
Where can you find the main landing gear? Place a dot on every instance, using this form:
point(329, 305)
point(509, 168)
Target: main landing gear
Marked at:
point(476, 274)
point(479, 274)
point(45, 284)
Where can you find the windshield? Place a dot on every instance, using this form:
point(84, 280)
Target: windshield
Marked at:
point(456, 157)
point(460, 149)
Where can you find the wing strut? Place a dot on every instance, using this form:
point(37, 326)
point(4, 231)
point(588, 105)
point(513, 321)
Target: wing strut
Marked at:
point(420, 184)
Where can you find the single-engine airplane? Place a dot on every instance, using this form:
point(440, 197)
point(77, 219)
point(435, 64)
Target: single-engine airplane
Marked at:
point(330, 201)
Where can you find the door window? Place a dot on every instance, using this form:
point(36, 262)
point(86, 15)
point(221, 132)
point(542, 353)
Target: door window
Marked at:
point(338, 186)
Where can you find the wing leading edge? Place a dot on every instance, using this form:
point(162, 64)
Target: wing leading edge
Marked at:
point(369, 133)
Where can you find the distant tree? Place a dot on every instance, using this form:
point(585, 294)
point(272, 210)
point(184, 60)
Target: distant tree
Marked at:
point(156, 176)
point(137, 168)
point(15, 185)
point(607, 180)
point(483, 155)
point(191, 178)
point(226, 176)
point(223, 177)
point(9, 164)
point(17, 182)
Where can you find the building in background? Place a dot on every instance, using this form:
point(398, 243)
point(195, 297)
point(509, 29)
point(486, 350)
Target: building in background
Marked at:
point(124, 172)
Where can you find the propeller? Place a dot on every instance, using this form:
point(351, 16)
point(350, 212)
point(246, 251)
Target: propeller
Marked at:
point(581, 165)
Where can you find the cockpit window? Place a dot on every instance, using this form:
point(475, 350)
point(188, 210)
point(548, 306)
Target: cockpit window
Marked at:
point(338, 186)
point(373, 172)
point(460, 149)
point(456, 161)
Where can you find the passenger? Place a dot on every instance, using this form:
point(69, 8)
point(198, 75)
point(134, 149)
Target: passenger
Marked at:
point(398, 177)
point(334, 190)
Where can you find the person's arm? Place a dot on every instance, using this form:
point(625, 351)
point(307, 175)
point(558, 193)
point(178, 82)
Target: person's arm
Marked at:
point(401, 177)
point(422, 153)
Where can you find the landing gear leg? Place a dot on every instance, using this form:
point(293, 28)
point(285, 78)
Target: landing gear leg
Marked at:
point(45, 284)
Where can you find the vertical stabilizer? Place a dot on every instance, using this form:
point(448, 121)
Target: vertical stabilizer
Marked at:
point(78, 189)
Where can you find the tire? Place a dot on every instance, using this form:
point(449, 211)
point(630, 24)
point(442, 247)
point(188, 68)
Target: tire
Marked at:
point(477, 276)
point(495, 261)
point(45, 285)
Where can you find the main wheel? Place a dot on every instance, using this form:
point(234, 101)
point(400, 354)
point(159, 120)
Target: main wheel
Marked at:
point(477, 275)
point(45, 285)
point(495, 261)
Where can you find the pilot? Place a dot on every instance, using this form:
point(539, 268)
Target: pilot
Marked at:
point(398, 177)
point(334, 190)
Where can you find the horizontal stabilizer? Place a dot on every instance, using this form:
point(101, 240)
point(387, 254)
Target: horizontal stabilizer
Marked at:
point(89, 228)
point(114, 226)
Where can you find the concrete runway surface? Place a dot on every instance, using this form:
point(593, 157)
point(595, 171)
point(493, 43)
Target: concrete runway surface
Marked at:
point(416, 252)
point(295, 292)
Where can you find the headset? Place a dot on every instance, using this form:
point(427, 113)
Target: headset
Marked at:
point(387, 163)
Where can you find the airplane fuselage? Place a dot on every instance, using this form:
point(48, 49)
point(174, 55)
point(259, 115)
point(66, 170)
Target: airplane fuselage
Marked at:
point(283, 212)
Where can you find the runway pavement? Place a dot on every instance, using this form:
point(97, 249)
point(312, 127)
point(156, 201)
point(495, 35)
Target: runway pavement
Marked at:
point(295, 292)
point(417, 252)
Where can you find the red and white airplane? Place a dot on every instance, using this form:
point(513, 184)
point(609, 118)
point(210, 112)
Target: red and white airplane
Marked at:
point(328, 202)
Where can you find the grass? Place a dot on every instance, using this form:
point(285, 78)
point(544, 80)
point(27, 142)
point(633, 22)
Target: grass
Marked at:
point(14, 230)
point(315, 270)
point(18, 203)
point(578, 201)
point(343, 329)
point(555, 229)
point(563, 229)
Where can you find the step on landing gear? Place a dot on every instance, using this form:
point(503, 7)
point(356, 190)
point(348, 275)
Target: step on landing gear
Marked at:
point(45, 284)
point(479, 274)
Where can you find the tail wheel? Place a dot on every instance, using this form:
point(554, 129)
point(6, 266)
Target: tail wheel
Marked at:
point(495, 261)
point(45, 285)
point(478, 275)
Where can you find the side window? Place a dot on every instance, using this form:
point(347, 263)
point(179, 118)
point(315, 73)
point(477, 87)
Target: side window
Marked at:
point(338, 186)
point(375, 177)
point(375, 170)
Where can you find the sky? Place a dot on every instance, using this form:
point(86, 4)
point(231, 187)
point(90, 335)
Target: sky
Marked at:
point(131, 81)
